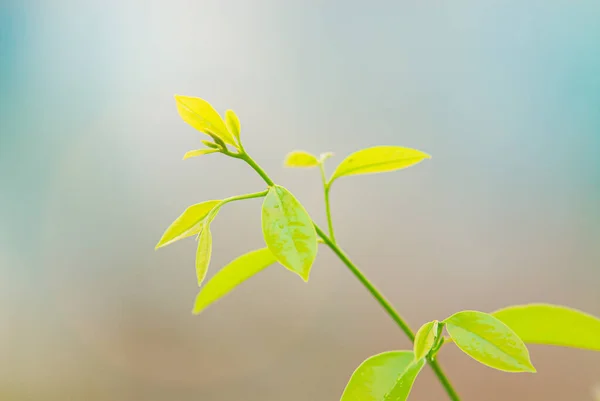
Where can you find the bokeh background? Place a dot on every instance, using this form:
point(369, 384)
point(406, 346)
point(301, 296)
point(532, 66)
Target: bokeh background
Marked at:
point(504, 94)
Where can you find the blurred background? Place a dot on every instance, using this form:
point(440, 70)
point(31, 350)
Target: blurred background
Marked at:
point(504, 94)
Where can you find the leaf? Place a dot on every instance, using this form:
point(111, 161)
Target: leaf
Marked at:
point(288, 231)
point(552, 325)
point(198, 152)
point(203, 253)
point(384, 377)
point(401, 389)
point(378, 159)
point(233, 124)
point(489, 341)
point(188, 224)
point(299, 158)
point(232, 275)
point(202, 116)
point(425, 339)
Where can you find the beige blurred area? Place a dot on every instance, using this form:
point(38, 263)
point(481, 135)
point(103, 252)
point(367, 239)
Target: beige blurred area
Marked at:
point(504, 95)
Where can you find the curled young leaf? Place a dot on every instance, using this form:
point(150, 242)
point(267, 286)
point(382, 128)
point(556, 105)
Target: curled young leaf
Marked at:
point(210, 144)
point(198, 152)
point(202, 116)
point(232, 275)
point(388, 376)
point(299, 158)
point(425, 339)
point(378, 159)
point(233, 124)
point(188, 223)
point(288, 231)
point(552, 325)
point(489, 341)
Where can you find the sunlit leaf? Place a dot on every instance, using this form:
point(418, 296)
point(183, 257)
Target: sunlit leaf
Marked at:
point(384, 377)
point(202, 116)
point(378, 159)
point(233, 124)
point(300, 158)
point(232, 275)
point(288, 231)
point(188, 224)
point(489, 341)
point(425, 338)
point(552, 325)
point(198, 152)
point(203, 253)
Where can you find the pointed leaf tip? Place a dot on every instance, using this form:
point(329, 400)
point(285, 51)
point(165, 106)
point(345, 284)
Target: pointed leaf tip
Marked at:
point(187, 224)
point(201, 115)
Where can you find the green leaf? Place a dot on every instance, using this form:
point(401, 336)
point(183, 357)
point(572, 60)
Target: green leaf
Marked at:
point(203, 253)
point(401, 389)
point(489, 341)
point(233, 124)
point(232, 275)
point(202, 116)
point(552, 325)
point(188, 224)
point(425, 339)
point(299, 158)
point(378, 159)
point(288, 231)
point(388, 376)
point(198, 152)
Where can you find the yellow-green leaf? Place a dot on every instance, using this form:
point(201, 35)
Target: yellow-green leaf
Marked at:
point(378, 159)
point(233, 124)
point(388, 376)
point(489, 341)
point(202, 116)
point(203, 252)
point(198, 152)
point(401, 389)
point(232, 275)
point(288, 231)
point(552, 325)
point(425, 339)
point(299, 158)
point(188, 224)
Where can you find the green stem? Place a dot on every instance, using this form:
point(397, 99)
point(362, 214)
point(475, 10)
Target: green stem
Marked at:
point(244, 156)
point(368, 285)
point(365, 282)
point(437, 369)
point(225, 201)
point(326, 188)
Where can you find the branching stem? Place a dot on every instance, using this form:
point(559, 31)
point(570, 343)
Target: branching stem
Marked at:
point(330, 242)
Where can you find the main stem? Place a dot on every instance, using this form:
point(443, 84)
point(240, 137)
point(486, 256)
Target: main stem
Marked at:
point(330, 242)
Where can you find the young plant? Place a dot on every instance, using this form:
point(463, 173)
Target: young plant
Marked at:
point(494, 339)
